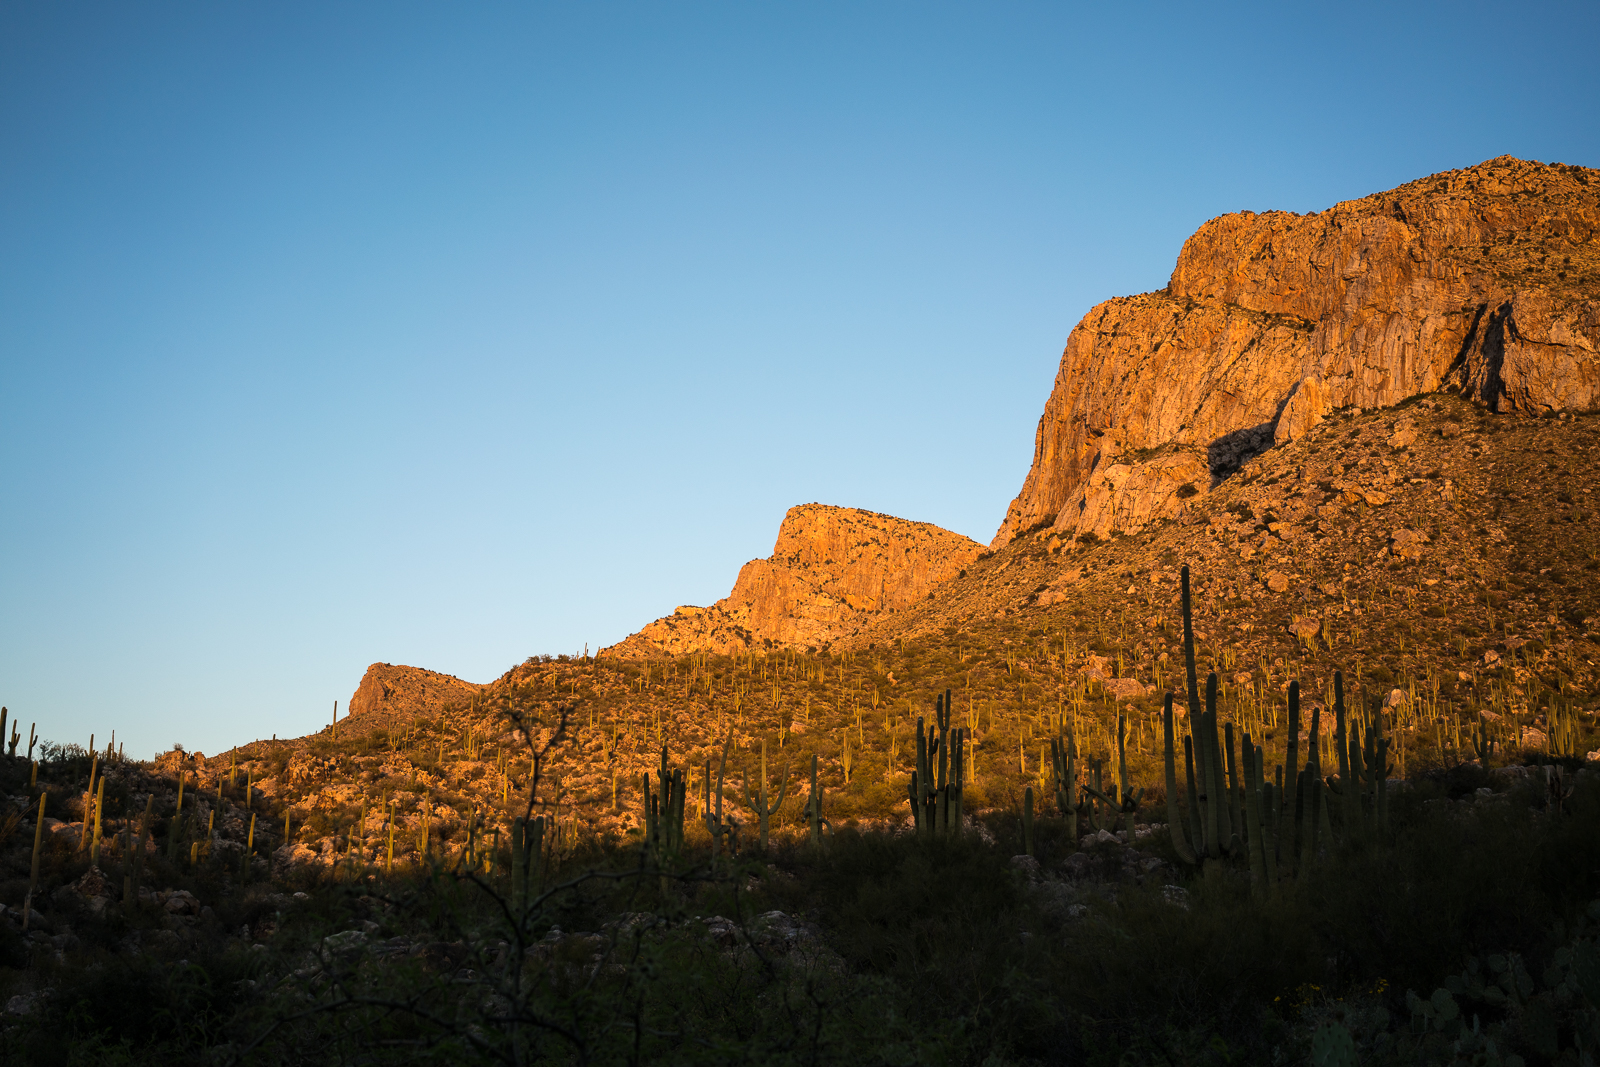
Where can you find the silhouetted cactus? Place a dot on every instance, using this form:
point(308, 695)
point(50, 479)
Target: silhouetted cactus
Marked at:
point(1064, 771)
point(663, 813)
point(1180, 844)
point(814, 819)
point(715, 825)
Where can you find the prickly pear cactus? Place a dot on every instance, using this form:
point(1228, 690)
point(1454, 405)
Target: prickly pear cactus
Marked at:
point(1332, 1046)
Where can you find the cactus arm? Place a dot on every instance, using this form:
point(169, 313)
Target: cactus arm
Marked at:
point(783, 789)
point(916, 804)
point(1174, 823)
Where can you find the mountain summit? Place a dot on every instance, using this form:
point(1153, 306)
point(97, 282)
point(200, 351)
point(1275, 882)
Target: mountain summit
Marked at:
point(831, 571)
point(1483, 281)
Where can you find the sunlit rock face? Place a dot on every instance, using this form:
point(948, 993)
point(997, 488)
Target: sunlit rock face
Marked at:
point(1485, 281)
point(831, 571)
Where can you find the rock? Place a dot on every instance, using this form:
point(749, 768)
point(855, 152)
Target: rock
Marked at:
point(93, 890)
point(1404, 437)
point(1396, 698)
point(1272, 319)
point(1277, 581)
point(287, 858)
point(390, 693)
point(1027, 865)
point(831, 571)
point(179, 902)
point(446, 956)
point(1407, 544)
point(1306, 629)
point(1124, 688)
point(26, 1003)
point(1306, 406)
point(723, 931)
point(1125, 498)
point(1176, 895)
point(781, 930)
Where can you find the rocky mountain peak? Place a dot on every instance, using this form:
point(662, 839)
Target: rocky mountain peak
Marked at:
point(1485, 281)
point(831, 571)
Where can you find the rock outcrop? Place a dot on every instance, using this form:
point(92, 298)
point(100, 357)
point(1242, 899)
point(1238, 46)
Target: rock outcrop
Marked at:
point(1484, 280)
point(831, 571)
point(390, 693)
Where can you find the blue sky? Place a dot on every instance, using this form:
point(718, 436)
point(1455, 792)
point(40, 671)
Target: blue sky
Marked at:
point(451, 334)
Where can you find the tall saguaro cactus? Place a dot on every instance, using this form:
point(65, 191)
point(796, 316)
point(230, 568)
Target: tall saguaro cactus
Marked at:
point(663, 813)
point(939, 780)
point(1180, 844)
point(758, 803)
point(1064, 771)
point(815, 821)
point(715, 825)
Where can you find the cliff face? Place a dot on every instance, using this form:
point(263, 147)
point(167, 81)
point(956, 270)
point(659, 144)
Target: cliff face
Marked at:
point(1484, 280)
point(831, 571)
point(390, 693)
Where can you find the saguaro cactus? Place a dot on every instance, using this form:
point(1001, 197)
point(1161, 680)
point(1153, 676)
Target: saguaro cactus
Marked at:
point(814, 818)
point(759, 803)
point(1180, 844)
point(1126, 800)
point(1064, 771)
point(663, 813)
point(33, 876)
point(527, 843)
point(175, 827)
point(713, 818)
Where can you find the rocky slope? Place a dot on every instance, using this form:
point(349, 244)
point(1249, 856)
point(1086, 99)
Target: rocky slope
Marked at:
point(831, 571)
point(1435, 535)
point(1485, 281)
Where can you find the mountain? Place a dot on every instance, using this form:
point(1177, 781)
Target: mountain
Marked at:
point(1484, 282)
point(831, 571)
point(390, 693)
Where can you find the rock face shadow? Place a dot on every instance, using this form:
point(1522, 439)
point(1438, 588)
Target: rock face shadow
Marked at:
point(1227, 453)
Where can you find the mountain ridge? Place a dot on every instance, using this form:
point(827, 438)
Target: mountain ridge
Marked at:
point(1484, 281)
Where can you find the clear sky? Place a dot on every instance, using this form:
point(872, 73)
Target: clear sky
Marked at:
point(447, 334)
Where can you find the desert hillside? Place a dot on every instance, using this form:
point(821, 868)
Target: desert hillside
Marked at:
point(1368, 434)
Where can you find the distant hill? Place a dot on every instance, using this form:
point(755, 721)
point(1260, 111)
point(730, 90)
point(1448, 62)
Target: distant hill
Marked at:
point(830, 573)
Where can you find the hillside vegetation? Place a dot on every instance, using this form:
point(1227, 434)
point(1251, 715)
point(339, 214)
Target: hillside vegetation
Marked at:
point(1443, 559)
